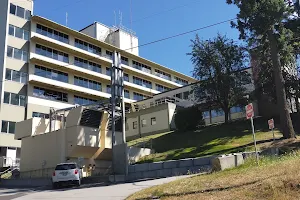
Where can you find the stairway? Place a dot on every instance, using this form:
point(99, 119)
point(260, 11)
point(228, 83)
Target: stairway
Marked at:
point(91, 118)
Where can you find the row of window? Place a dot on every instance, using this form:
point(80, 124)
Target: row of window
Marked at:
point(50, 94)
point(17, 53)
point(40, 115)
point(51, 74)
point(51, 53)
point(184, 95)
point(162, 74)
point(220, 113)
point(87, 65)
point(97, 50)
point(87, 83)
point(14, 99)
point(83, 101)
point(142, 82)
point(161, 88)
point(141, 67)
point(49, 32)
point(139, 97)
point(144, 123)
point(20, 12)
point(88, 47)
point(181, 81)
point(17, 76)
point(18, 32)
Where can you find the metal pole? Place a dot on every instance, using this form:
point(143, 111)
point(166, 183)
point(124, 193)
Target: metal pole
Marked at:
point(254, 139)
point(273, 134)
point(113, 107)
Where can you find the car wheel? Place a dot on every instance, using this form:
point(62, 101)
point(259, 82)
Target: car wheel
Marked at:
point(54, 186)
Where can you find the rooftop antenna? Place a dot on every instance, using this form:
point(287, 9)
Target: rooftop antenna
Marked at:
point(115, 18)
point(66, 18)
point(131, 42)
point(121, 18)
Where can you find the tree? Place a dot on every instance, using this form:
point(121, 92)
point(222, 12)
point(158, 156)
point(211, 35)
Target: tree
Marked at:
point(262, 24)
point(220, 67)
point(188, 119)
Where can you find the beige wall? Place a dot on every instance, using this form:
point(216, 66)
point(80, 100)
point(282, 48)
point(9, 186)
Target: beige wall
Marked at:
point(7, 140)
point(36, 150)
point(163, 114)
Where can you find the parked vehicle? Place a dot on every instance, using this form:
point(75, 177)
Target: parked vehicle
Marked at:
point(66, 174)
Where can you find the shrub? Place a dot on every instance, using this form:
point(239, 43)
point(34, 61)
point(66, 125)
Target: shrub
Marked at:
point(188, 118)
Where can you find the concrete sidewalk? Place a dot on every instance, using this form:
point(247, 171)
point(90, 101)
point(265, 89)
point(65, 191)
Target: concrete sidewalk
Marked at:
point(111, 192)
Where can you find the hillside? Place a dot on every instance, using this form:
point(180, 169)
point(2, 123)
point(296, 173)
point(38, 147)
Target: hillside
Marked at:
point(275, 178)
point(216, 139)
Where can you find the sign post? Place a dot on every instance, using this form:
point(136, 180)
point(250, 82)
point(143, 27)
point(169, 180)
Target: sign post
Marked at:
point(250, 115)
point(271, 127)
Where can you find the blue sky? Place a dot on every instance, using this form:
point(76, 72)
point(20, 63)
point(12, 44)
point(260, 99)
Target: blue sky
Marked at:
point(152, 20)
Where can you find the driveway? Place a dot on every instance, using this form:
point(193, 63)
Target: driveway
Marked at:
point(110, 192)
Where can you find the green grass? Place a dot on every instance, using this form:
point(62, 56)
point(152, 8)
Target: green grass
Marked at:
point(275, 178)
point(217, 139)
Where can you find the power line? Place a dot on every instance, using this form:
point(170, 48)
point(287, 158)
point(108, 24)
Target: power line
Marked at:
point(181, 34)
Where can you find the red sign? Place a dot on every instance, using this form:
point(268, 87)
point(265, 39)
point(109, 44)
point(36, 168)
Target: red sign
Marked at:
point(271, 124)
point(249, 111)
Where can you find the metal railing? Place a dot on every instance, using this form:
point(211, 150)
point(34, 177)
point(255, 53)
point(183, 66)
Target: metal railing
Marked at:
point(9, 162)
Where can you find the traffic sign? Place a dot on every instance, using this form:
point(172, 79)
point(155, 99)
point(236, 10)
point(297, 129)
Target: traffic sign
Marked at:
point(249, 111)
point(271, 124)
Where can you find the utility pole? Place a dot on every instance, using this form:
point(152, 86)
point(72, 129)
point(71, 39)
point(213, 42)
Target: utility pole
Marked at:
point(117, 100)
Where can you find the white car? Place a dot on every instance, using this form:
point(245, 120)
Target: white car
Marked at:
point(66, 173)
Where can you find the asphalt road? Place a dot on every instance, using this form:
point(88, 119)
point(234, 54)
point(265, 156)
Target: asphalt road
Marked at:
point(86, 192)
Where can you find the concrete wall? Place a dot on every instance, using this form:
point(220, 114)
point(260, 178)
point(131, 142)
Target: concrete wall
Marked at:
point(90, 30)
point(162, 113)
point(135, 153)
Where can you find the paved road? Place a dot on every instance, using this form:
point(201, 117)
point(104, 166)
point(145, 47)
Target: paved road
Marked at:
point(92, 192)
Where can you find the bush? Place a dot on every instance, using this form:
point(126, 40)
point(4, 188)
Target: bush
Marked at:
point(188, 118)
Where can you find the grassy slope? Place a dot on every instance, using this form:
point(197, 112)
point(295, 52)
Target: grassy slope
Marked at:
point(219, 139)
point(275, 178)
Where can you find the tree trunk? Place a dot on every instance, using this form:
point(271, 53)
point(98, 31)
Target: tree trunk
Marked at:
point(226, 112)
point(297, 102)
point(285, 118)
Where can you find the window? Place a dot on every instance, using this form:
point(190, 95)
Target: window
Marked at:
point(161, 88)
point(17, 53)
point(126, 77)
point(18, 32)
point(179, 95)
point(51, 53)
point(181, 81)
point(109, 54)
point(142, 82)
point(83, 101)
point(50, 94)
point(87, 65)
point(20, 12)
point(138, 97)
point(108, 89)
point(126, 94)
point(153, 120)
point(87, 83)
point(108, 71)
point(134, 125)
point(51, 74)
point(124, 60)
point(186, 95)
point(8, 127)
point(217, 113)
point(162, 74)
point(40, 115)
point(236, 109)
point(52, 33)
point(14, 99)
point(87, 47)
point(141, 67)
point(206, 115)
point(144, 123)
point(12, 75)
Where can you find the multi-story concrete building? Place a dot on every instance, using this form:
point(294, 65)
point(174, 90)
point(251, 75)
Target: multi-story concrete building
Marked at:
point(46, 65)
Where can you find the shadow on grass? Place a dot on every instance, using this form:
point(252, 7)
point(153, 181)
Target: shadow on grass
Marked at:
point(164, 195)
point(211, 140)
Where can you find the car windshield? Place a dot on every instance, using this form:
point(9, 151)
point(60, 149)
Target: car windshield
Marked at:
point(65, 167)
